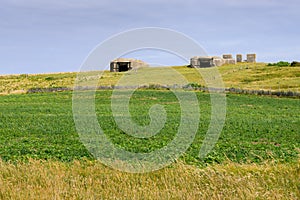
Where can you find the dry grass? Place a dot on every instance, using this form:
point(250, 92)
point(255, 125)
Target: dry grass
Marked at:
point(259, 76)
point(92, 180)
point(251, 76)
point(243, 75)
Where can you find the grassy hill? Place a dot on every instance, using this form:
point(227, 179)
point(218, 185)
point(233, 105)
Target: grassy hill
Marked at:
point(243, 75)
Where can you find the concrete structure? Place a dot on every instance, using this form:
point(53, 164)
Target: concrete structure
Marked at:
point(215, 61)
point(251, 58)
point(227, 56)
point(239, 58)
point(228, 59)
point(126, 64)
point(206, 61)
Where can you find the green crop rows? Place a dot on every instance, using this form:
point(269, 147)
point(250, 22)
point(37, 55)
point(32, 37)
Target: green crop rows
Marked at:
point(257, 129)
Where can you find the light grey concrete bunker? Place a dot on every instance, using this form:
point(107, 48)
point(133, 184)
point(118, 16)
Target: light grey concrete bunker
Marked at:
point(206, 61)
point(215, 61)
point(126, 64)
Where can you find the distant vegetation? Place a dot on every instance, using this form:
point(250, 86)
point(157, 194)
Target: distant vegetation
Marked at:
point(285, 64)
point(280, 64)
point(295, 64)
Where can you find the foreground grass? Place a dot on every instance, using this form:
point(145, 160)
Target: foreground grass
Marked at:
point(91, 180)
point(251, 76)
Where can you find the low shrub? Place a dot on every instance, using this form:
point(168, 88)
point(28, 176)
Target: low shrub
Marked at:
point(280, 64)
point(295, 64)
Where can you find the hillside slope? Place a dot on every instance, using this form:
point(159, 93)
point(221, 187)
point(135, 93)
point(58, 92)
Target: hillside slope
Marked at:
point(244, 76)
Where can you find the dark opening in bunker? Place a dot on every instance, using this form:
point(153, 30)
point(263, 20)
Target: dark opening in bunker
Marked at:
point(123, 66)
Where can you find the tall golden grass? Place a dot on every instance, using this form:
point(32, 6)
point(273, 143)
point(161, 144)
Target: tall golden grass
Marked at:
point(253, 76)
point(91, 180)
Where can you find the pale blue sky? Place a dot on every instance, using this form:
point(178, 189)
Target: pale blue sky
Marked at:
point(52, 36)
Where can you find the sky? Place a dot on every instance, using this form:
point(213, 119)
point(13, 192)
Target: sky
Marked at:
point(41, 36)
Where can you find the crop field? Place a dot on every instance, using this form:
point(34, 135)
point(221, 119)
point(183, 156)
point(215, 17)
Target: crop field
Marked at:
point(42, 157)
point(256, 129)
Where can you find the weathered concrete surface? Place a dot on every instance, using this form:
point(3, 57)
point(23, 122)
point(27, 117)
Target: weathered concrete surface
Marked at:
point(206, 61)
point(251, 58)
point(125, 64)
point(239, 58)
point(230, 61)
point(227, 56)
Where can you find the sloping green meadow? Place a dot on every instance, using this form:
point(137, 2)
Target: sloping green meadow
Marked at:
point(257, 129)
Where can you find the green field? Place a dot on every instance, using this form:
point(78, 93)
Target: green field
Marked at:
point(257, 129)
